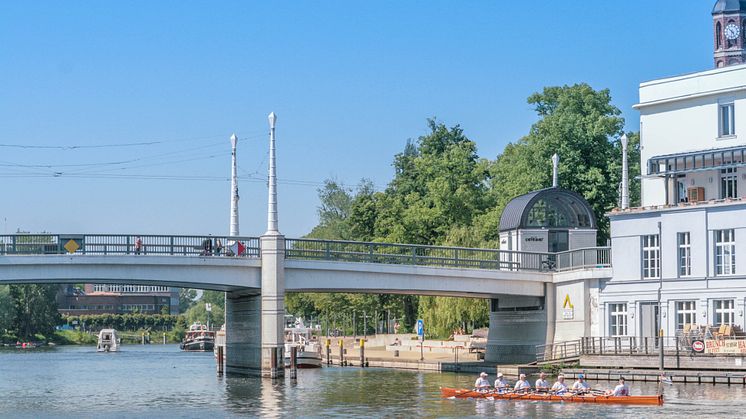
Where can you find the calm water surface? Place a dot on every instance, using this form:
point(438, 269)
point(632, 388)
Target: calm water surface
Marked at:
point(161, 381)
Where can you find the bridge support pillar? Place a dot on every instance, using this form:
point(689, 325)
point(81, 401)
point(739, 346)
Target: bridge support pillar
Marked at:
point(243, 350)
point(273, 305)
point(517, 325)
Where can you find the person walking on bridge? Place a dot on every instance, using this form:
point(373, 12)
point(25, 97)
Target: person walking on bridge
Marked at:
point(138, 245)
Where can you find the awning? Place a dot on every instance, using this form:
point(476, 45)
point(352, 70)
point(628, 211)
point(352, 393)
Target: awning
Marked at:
point(697, 161)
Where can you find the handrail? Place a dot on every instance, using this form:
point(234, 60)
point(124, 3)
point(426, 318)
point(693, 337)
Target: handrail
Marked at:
point(442, 256)
point(309, 249)
point(126, 244)
point(616, 345)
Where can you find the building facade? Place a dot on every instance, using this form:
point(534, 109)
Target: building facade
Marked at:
point(119, 299)
point(688, 239)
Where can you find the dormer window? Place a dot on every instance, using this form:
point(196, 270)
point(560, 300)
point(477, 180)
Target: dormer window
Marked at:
point(726, 120)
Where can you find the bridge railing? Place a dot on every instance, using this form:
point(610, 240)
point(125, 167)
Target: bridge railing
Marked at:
point(125, 244)
point(457, 257)
point(591, 257)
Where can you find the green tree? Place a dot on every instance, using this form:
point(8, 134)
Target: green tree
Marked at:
point(198, 311)
point(186, 298)
point(582, 126)
point(34, 310)
point(6, 309)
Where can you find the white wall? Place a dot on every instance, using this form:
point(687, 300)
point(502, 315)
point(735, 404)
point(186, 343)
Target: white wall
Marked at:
point(533, 240)
point(680, 114)
point(703, 286)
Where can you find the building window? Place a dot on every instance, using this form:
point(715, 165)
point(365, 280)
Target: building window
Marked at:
point(718, 35)
point(618, 319)
point(686, 313)
point(728, 183)
point(725, 312)
point(685, 254)
point(651, 256)
point(727, 120)
point(725, 252)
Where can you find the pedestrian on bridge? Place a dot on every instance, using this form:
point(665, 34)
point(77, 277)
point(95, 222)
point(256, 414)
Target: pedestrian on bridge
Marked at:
point(138, 245)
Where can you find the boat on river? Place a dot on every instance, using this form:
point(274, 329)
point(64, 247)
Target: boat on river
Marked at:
point(108, 341)
point(198, 339)
point(308, 352)
point(446, 392)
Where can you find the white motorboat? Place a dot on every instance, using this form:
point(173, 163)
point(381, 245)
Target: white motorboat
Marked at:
point(309, 349)
point(108, 341)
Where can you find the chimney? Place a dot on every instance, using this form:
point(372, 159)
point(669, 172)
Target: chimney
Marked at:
point(625, 175)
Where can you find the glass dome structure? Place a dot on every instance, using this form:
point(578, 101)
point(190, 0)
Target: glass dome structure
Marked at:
point(551, 208)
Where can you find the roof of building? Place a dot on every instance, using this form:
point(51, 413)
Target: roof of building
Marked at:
point(729, 6)
point(548, 208)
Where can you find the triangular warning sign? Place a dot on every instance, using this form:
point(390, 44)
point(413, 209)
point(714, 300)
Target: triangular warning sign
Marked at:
point(567, 302)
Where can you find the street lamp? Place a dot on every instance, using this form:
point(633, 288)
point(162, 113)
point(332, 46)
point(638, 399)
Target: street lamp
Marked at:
point(660, 289)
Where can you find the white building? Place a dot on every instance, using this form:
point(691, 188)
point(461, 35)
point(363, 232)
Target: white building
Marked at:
point(689, 236)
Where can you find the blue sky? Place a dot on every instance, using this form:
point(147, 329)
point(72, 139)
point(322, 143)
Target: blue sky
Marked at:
point(149, 93)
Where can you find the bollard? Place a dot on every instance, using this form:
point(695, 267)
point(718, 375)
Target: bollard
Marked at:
point(341, 352)
point(328, 351)
point(164, 338)
point(273, 364)
point(220, 360)
point(362, 352)
point(293, 362)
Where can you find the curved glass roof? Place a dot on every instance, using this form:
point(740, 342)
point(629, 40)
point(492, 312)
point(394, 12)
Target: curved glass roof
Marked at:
point(548, 208)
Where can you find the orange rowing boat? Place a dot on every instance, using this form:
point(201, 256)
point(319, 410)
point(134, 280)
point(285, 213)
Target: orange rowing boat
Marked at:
point(548, 397)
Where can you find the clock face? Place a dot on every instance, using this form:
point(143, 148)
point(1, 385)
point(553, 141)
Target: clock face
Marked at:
point(732, 31)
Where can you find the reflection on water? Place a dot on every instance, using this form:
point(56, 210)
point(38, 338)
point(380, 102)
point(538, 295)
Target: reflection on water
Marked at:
point(160, 381)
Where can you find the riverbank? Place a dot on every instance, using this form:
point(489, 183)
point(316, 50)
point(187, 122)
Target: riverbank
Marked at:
point(77, 337)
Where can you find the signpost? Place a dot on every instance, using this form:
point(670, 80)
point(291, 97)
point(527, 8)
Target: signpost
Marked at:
point(421, 334)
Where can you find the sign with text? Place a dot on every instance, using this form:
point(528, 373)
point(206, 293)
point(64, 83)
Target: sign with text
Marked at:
point(728, 346)
point(421, 328)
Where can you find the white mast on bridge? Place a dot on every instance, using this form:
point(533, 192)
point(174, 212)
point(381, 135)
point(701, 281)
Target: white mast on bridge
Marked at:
point(272, 201)
point(234, 189)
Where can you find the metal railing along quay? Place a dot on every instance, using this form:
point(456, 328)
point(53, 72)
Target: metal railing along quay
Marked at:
point(442, 256)
point(617, 345)
point(126, 244)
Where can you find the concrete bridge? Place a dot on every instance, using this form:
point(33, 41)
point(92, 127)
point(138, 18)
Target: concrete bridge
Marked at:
point(525, 287)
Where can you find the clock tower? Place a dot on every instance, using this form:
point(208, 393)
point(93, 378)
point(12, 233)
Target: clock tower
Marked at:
point(729, 25)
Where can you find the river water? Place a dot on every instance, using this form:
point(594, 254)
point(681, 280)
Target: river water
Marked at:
point(162, 381)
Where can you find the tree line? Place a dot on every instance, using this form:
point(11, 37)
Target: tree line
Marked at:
point(443, 193)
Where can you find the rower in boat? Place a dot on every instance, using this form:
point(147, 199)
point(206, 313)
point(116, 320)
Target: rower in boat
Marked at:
point(501, 384)
point(482, 384)
point(522, 385)
point(581, 386)
point(559, 387)
point(620, 390)
point(542, 384)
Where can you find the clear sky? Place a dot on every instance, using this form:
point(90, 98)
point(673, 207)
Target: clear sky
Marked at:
point(124, 109)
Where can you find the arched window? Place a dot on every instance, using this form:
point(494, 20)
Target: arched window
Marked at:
point(743, 34)
point(718, 35)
